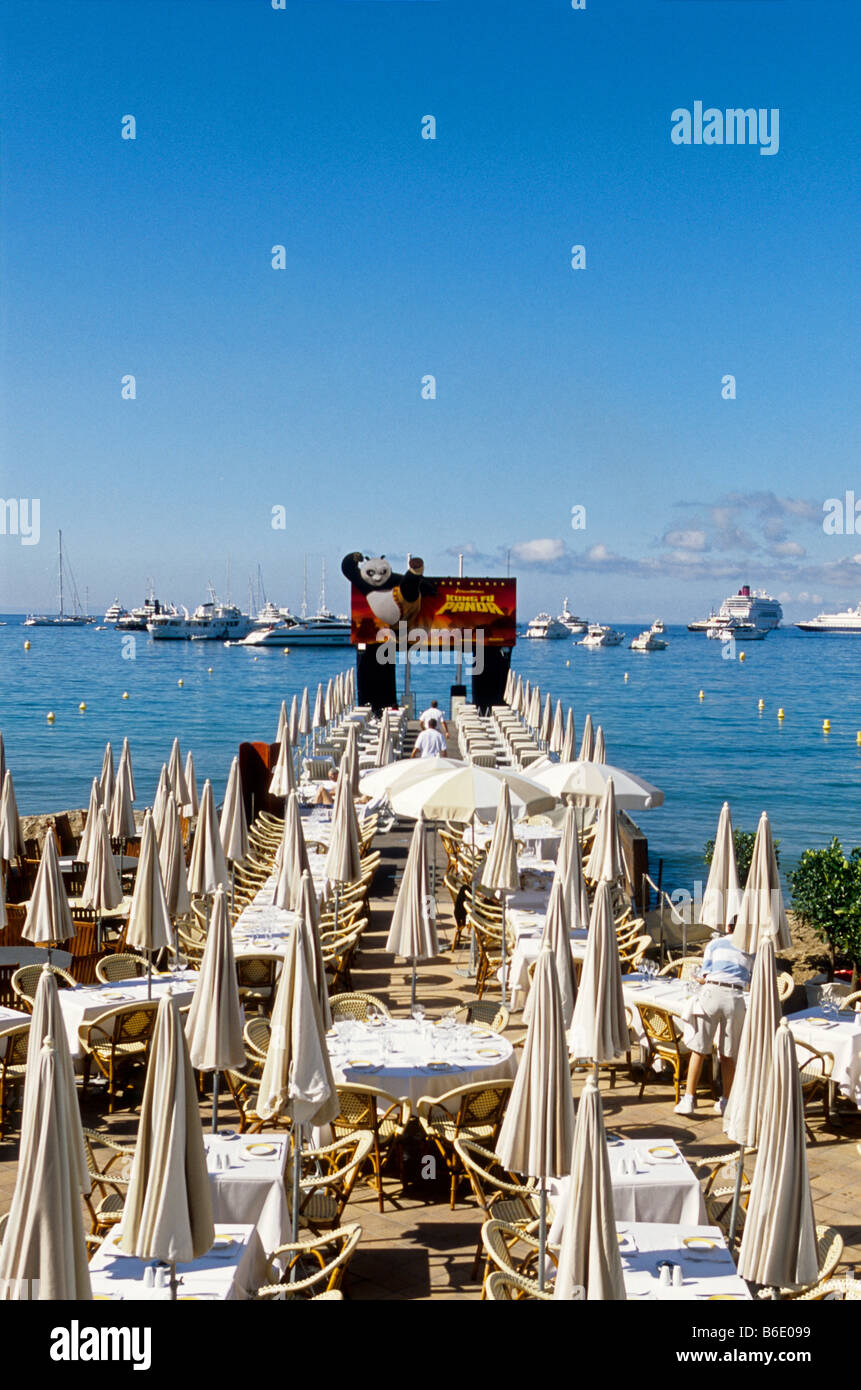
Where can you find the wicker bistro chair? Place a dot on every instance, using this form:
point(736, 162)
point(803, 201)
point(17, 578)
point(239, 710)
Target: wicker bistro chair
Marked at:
point(514, 1286)
point(122, 965)
point(385, 1117)
point(256, 1034)
point(851, 1001)
point(843, 1288)
point(511, 1250)
point(634, 951)
point(468, 1112)
point(815, 1069)
point(494, 1016)
point(785, 985)
point(116, 1040)
point(84, 947)
point(357, 1006)
point(664, 1041)
point(328, 1177)
point(25, 982)
point(258, 978)
point(14, 1043)
point(244, 1086)
point(719, 1171)
point(829, 1248)
point(325, 1258)
point(109, 1182)
point(684, 967)
point(500, 1195)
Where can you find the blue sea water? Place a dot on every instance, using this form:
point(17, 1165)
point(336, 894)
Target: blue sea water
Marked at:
point(699, 753)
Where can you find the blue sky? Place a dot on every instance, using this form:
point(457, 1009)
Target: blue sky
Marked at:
point(404, 257)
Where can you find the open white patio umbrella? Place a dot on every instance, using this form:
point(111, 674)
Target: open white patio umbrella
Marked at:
point(297, 1074)
point(171, 859)
point(190, 807)
point(102, 889)
point(176, 774)
point(293, 857)
point(585, 783)
point(403, 773)
point(587, 741)
point(538, 1128)
point(599, 754)
point(149, 920)
point(589, 1259)
point(122, 817)
point(778, 1245)
point(569, 873)
point(293, 720)
point(459, 793)
point(214, 1025)
point(49, 919)
point(762, 906)
point(126, 759)
point(168, 1211)
point(82, 853)
point(233, 826)
point(556, 935)
point(412, 934)
point(606, 861)
point(499, 873)
point(599, 1028)
point(742, 1119)
point(722, 897)
point(283, 779)
point(44, 1254)
point(108, 778)
point(207, 869)
point(11, 839)
point(546, 726)
point(567, 753)
point(308, 927)
point(557, 731)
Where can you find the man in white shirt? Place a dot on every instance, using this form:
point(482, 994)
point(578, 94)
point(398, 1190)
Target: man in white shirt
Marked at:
point(434, 712)
point(430, 743)
point(720, 1009)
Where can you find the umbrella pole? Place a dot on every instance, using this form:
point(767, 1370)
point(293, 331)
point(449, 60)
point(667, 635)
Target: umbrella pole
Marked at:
point(297, 1178)
point(504, 934)
point(472, 932)
point(173, 1281)
point(542, 1236)
point(413, 986)
point(736, 1196)
point(232, 887)
point(216, 1079)
point(149, 974)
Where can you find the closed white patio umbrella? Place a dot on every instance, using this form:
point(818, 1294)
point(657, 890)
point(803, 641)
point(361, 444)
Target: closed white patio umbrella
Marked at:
point(283, 721)
point(599, 1028)
point(569, 873)
point(190, 807)
point(102, 889)
point(233, 826)
point(518, 695)
point(533, 716)
point(126, 759)
point(293, 720)
point(293, 859)
point(171, 859)
point(308, 927)
point(122, 817)
point(304, 714)
point(567, 752)
point(722, 897)
point(556, 935)
point(82, 854)
point(176, 774)
point(384, 754)
point(587, 742)
point(599, 753)
point(349, 768)
point(207, 869)
point(589, 1262)
point(557, 731)
point(318, 718)
point(778, 1245)
point(149, 920)
point(329, 702)
point(546, 726)
point(343, 860)
point(762, 906)
point(163, 793)
point(11, 839)
point(108, 778)
point(538, 1128)
point(500, 873)
point(283, 779)
point(49, 919)
point(508, 693)
point(412, 934)
point(214, 1025)
point(606, 861)
point(168, 1211)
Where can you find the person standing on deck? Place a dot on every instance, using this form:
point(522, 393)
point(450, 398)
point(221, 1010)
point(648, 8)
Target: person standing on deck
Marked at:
point(430, 743)
point(719, 1009)
point(434, 712)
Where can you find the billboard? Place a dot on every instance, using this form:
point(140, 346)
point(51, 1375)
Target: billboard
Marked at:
point(383, 599)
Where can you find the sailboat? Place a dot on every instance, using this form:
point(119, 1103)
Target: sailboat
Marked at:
point(61, 619)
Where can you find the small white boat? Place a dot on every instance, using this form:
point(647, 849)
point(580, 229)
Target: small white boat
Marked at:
point(599, 635)
point(547, 628)
point(576, 626)
point(322, 630)
point(731, 630)
point(651, 640)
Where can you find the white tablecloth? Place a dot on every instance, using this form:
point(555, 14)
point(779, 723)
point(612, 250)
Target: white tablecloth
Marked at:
point(80, 1005)
point(421, 1060)
point(842, 1038)
point(660, 1190)
point(10, 1018)
point(251, 1191)
point(528, 928)
point(226, 1272)
point(706, 1273)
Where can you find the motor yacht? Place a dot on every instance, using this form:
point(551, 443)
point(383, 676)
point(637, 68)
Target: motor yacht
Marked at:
point(599, 635)
point(546, 627)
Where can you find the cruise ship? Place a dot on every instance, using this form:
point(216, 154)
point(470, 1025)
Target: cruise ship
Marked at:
point(753, 607)
point(546, 627)
point(846, 622)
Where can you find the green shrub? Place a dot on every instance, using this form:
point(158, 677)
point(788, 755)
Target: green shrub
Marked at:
point(826, 895)
point(744, 841)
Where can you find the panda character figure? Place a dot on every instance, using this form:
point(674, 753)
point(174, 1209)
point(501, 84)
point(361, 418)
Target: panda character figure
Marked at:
point(391, 597)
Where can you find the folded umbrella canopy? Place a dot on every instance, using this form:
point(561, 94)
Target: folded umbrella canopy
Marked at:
point(508, 693)
point(122, 817)
point(587, 741)
point(329, 702)
point(214, 1025)
point(546, 726)
point(517, 702)
point(538, 1128)
point(589, 1262)
point(599, 1028)
point(384, 755)
point(207, 868)
point(762, 908)
point(599, 754)
point(293, 720)
point(304, 715)
point(11, 839)
point(293, 859)
point(49, 918)
point(557, 731)
point(343, 861)
point(149, 920)
point(171, 859)
point(283, 721)
point(500, 873)
point(283, 779)
point(533, 714)
point(163, 794)
point(126, 758)
point(234, 827)
point(108, 778)
point(308, 927)
point(190, 807)
point(722, 897)
point(606, 862)
point(168, 1211)
point(102, 889)
point(567, 751)
point(349, 768)
point(778, 1246)
point(176, 774)
point(556, 936)
point(82, 853)
point(569, 873)
point(412, 934)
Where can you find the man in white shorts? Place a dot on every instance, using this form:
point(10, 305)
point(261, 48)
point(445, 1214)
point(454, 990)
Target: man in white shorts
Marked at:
point(719, 1009)
point(430, 743)
point(434, 712)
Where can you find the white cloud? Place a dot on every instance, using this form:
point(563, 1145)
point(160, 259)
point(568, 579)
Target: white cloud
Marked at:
point(540, 552)
point(598, 552)
point(788, 549)
point(686, 540)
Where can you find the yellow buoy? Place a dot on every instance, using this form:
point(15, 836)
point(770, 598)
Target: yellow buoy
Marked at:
point(209, 670)
point(826, 726)
point(125, 694)
point(180, 682)
point(286, 651)
point(27, 646)
point(858, 738)
point(742, 656)
point(82, 707)
point(780, 714)
point(626, 675)
point(702, 695)
point(257, 658)
point(761, 704)
point(567, 663)
point(50, 716)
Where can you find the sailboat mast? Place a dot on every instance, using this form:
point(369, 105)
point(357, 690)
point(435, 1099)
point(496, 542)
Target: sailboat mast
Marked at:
point(323, 586)
point(305, 587)
point(60, 570)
